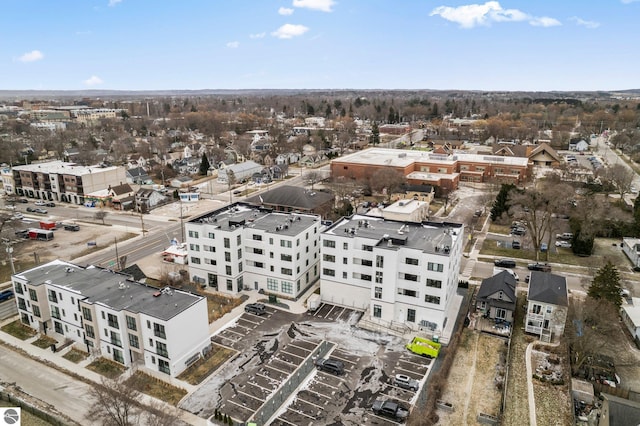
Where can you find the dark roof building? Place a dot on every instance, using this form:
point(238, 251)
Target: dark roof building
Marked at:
point(548, 288)
point(619, 411)
point(292, 198)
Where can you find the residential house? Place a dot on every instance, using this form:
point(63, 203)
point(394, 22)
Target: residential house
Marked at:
point(580, 146)
point(181, 181)
point(401, 274)
point(106, 314)
point(135, 161)
point(138, 176)
point(121, 196)
point(240, 172)
point(544, 155)
point(496, 297)
point(618, 411)
point(288, 198)
point(630, 313)
point(547, 304)
point(148, 199)
point(243, 246)
point(631, 247)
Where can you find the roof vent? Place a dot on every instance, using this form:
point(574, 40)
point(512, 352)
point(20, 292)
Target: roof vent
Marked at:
point(157, 294)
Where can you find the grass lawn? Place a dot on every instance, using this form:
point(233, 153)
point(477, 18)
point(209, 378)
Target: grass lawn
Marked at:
point(75, 355)
point(44, 342)
point(19, 330)
point(156, 388)
point(516, 410)
point(553, 403)
point(203, 368)
point(218, 305)
point(107, 368)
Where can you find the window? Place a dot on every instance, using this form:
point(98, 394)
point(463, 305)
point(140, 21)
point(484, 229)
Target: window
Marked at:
point(285, 243)
point(89, 331)
point(133, 341)
point(55, 312)
point(238, 240)
point(158, 330)
point(227, 243)
point(36, 311)
point(33, 295)
point(194, 247)
point(378, 293)
point(367, 248)
point(536, 309)
point(112, 321)
point(272, 284)
point(18, 288)
point(328, 272)
point(434, 283)
point(411, 315)
point(194, 234)
point(227, 256)
point(163, 366)
point(287, 287)
point(345, 261)
point(211, 249)
point(432, 299)
point(437, 267)
point(208, 261)
point(501, 313)
point(227, 269)
point(161, 349)
point(366, 262)
point(195, 260)
point(271, 241)
point(377, 311)
point(256, 237)
point(406, 292)
point(58, 327)
point(363, 277)
point(345, 275)
point(117, 356)
point(211, 236)
point(86, 314)
point(379, 262)
point(411, 277)
point(258, 264)
point(329, 243)
point(286, 257)
point(379, 277)
point(53, 297)
point(410, 261)
point(329, 258)
point(131, 323)
point(345, 246)
point(258, 251)
point(229, 285)
point(115, 339)
point(240, 267)
point(286, 271)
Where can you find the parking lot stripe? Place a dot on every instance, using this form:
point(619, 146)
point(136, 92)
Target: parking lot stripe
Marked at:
point(265, 377)
point(289, 353)
point(250, 396)
point(315, 314)
point(342, 359)
point(404, 369)
point(395, 397)
point(310, 403)
point(242, 318)
point(285, 361)
point(426, 367)
point(284, 421)
point(386, 419)
point(301, 413)
point(257, 385)
point(326, 384)
point(331, 310)
point(234, 332)
point(278, 370)
point(300, 347)
point(319, 394)
point(240, 405)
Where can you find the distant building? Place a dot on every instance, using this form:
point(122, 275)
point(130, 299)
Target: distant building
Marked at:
point(295, 199)
point(108, 314)
point(631, 247)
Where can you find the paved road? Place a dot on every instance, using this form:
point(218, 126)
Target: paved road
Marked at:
point(68, 395)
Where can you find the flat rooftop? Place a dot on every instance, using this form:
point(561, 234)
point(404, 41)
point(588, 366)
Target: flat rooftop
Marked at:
point(61, 167)
point(429, 237)
point(245, 215)
point(108, 288)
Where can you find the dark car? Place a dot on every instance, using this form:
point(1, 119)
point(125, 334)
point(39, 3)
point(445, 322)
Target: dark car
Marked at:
point(515, 244)
point(505, 263)
point(23, 200)
point(543, 267)
point(31, 209)
point(330, 365)
point(6, 295)
point(70, 227)
point(255, 308)
point(50, 204)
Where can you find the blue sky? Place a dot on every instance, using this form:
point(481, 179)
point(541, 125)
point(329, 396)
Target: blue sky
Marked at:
point(319, 44)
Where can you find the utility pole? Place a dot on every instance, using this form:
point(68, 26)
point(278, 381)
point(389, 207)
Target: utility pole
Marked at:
point(9, 249)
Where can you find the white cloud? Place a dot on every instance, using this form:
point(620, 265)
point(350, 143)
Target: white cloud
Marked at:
point(290, 31)
point(285, 11)
point(587, 24)
point(257, 35)
point(114, 2)
point(94, 80)
point(629, 1)
point(34, 55)
point(233, 44)
point(471, 15)
point(322, 5)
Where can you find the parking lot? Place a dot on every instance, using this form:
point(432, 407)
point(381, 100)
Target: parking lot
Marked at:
point(272, 346)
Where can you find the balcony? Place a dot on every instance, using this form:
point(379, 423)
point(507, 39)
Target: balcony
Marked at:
point(160, 333)
point(162, 352)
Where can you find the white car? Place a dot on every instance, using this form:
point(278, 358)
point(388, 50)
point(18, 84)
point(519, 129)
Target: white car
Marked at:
point(39, 203)
point(564, 244)
point(17, 216)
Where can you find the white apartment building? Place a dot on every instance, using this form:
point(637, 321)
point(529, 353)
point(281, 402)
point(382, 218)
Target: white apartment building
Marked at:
point(243, 246)
point(399, 273)
point(63, 181)
point(105, 313)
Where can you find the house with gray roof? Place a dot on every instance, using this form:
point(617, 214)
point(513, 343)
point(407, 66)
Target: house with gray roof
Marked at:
point(618, 411)
point(288, 198)
point(547, 305)
point(496, 297)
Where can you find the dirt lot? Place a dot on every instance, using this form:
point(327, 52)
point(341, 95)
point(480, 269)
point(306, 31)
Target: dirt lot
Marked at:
point(475, 382)
point(272, 346)
point(553, 402)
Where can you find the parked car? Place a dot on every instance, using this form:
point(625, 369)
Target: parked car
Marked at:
point(563, 244)
point(255, 308)
point(515, 244)
point(39, 203)
point(505, 263)
point(331, 365)
point(17, 216)
point(22, 200)
point(544, 247)
point(50, 204)
point(405, 382)
point(543, 267)
point(519, 231)
point(31, 209)
point(39, 210)
point(390, 409)
point(564, 236)
point(6, 295)
point(70, 227)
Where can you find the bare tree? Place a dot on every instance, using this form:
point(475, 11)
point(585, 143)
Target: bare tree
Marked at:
point(100, 215)
point(622, 177)
point(312, 177)
point(114, 403)
point(388, 180)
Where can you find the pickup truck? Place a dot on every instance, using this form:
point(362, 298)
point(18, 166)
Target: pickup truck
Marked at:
point(390, 409)
point(424, 347)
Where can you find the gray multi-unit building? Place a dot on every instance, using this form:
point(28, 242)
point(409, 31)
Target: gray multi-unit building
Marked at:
point(107, 313)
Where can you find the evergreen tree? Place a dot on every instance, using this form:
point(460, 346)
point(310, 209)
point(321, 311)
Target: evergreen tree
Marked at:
point(204, 165)
point(606, 285)
point(375, 134)
point(501, 205)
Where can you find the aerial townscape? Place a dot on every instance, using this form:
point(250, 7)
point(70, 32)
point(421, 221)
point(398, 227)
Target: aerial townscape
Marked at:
point(321, 240)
